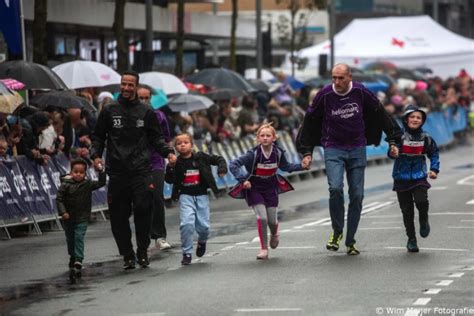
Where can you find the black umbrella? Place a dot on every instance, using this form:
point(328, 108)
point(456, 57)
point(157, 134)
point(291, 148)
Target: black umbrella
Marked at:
point(259, 84)
point(220, 78)
point(34, 76)
point(60, 99)
point(224, 94)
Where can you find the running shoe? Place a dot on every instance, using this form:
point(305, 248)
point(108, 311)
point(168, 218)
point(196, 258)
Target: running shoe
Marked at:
point(352, 250)
point(333, 242)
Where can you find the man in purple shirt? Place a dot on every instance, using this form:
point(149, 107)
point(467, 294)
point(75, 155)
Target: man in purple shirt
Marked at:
point(343, 118)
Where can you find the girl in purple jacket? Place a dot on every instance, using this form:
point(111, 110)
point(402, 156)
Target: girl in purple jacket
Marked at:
point(260, 184)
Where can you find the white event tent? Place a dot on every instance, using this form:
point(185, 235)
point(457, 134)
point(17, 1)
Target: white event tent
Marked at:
point(409, 42)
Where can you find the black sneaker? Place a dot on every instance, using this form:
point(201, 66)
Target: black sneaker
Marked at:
point(78, 269)
point(412, 245)
point(201, 249)
point(129, 263)
point(424, 228)
point(143, 260)
point(186, 259)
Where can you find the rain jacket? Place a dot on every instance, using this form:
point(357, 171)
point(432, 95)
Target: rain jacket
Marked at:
point(415, 145)
point(128, 128)
point(175, 175)
point(248, 161)
point(75, 198)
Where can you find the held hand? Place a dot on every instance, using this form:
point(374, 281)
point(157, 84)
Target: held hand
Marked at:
point(172, 159)
point(65, 216)
point(98, 164)
point(306, 162)
point(221, 174)
point(394, 151)
point(433, 175)
point(247, 185)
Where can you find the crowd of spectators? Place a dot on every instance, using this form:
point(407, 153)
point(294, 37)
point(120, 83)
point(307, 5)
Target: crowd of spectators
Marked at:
point(39, 134)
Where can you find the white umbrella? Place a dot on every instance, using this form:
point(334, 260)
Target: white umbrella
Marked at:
point(170, 84)
point(189, 103)
point(252, 74)
point(82, 74)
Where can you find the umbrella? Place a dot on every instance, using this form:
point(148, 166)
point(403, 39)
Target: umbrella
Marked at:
point(224, 94)
point(9, 100)
point(189, 103)
point(34, 76)
point(60, 99)
point(169, 83)
point(158, 99)
point(294, 83)
point(266, 75)
point(13, 84)
point(221, 78)
point(260, 85)
point(82, 74)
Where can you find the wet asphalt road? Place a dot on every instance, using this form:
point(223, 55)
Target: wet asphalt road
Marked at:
point(301, 277)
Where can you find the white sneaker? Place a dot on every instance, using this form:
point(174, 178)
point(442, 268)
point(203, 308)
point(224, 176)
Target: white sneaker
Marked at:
point(162, 244)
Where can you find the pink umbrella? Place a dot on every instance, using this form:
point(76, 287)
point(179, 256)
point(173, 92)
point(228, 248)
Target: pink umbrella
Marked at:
point(13, 84)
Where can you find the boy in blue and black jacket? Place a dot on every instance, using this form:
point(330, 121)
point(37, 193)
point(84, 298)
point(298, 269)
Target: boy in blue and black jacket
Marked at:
point(410, 172)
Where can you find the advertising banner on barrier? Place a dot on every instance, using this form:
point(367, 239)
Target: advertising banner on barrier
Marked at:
point(62, 163)
point(54, 176)
point(11, 206)
point(39, 184)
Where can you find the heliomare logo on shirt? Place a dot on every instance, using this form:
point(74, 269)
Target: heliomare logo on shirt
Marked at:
point(140, 123)
point(192, 177)
point(346, 111)
point(413, 147)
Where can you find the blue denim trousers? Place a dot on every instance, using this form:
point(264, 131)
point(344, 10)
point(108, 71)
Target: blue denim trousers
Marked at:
point(353, 161)
point(194, 215)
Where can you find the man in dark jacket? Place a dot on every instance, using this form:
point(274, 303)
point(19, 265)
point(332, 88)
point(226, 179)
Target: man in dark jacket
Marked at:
point(129, 128)
point(343, 118)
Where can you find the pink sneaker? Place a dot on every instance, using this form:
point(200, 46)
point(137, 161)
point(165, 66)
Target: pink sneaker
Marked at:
point(263, 254)
point(274, 241)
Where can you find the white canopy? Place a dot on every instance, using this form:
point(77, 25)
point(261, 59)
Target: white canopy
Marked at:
point(408, 42)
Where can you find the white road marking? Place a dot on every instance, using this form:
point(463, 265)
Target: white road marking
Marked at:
point(434, 249)
point(438, 188)
point(444, 282)
point(173, 268)
point(280, 247)
point(256, 239)
point(297, 231)
point(422, 301)
point(326, 224)
point(468, 268)
point(456, 275)
point(376, 207)
point(432, 291)
point(377, 228)
point(467, 220)
point(317, 222)
point(470, 202)
point(466, 181)
point(227, 248)
point(256, 310)
point(242, 243)
point(460, 227)
point(452, 213)
point(285, 230)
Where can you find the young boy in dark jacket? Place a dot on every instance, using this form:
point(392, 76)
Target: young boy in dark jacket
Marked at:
point(74, 202)
point(410, 173)
point(191, 177)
